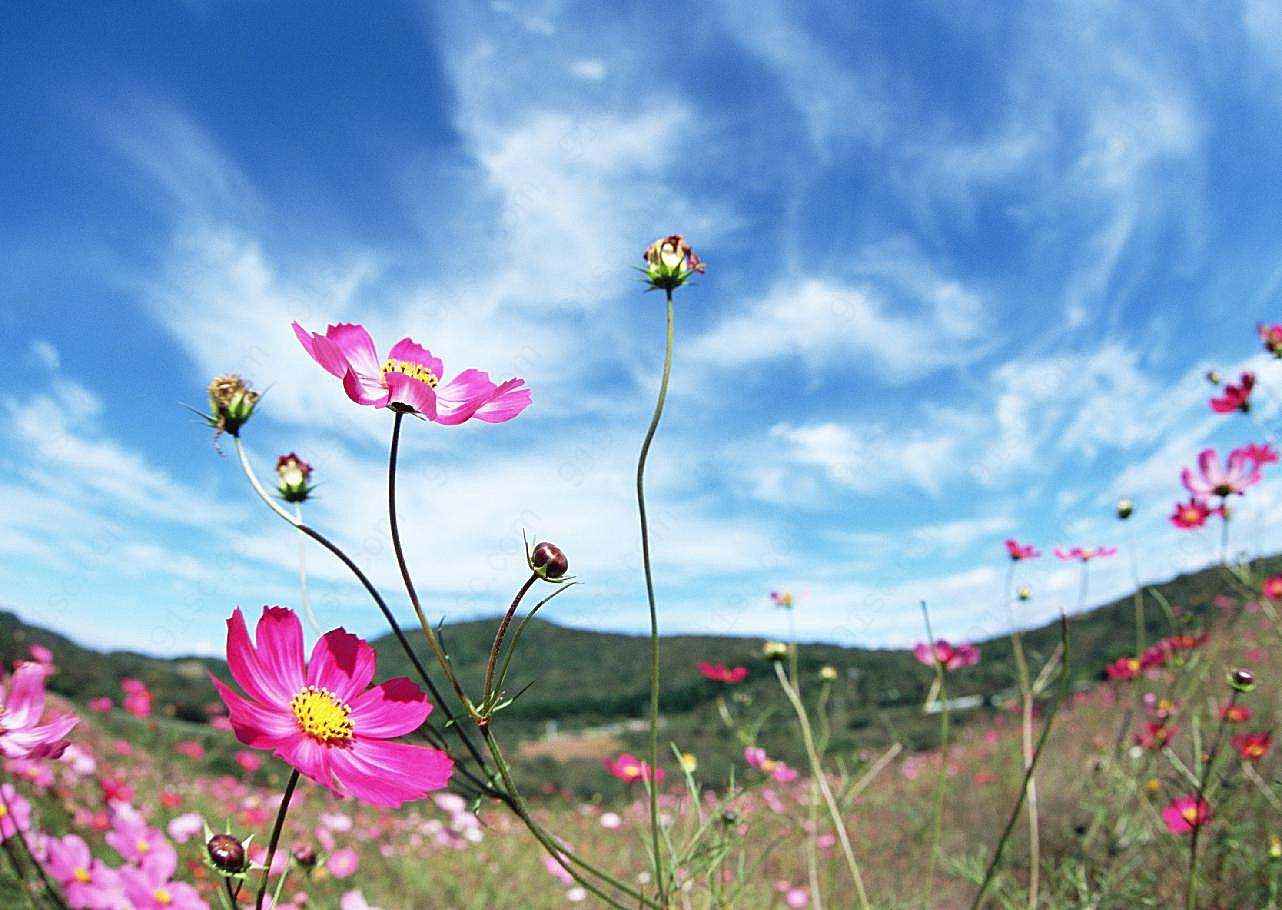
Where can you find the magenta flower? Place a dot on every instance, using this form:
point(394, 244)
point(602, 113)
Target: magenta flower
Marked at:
point(952, 657)
point(22, 702)
point(319, 716)
point(151, 886)
point(134, 839)
point(137, 697)
point(1260, 454)
point(1235, 397)
point(628, 768)
point(1238, 473)
point(85, 881)
point(756, 757)
point(721, 673)
point(15, 812)
point(1085, 554)
point(409, 379)
point(1018, 551)
point(1271, 336)
point(1193, 514)
point(1185, 814)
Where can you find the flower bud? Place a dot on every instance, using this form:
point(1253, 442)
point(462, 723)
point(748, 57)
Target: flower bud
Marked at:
point(231, 403)
point(227, 854)
point(305, 855)
point(548, 562)
point(293, 474)
point(1213, 377)
point(828, 673)
point(1124, 508)
point(670, 262)
point(774, 650)
point(1242, 680)
point(729, 817)
point(1025, 593)
point(1275, 847)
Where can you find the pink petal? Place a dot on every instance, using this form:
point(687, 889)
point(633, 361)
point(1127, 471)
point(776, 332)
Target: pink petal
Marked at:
point(388, 774)
point(412, 392)
point(365, 389)
point(272, 672)
point(356, 347)
point(394, 708)
point(258, 726)
point(26, 696)
point(312, 759)
point(406, 349)
point(508, 401)
point(342, 663)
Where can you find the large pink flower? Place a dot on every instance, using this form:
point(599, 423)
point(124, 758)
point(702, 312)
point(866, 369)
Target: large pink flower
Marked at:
point(319, 717)
point(1238, 473)
point(22, 703)
point(410, 378)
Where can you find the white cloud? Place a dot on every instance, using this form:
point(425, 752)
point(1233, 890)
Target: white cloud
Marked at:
point(590, 70)
point(45, 354)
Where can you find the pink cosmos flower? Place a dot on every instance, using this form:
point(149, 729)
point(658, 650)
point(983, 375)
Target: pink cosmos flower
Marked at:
point(1260, 454)
point(151, 886)
point(1085, 554)
point(15, 812)
point(319, 717)
point(1272, 587)
point(1235, 397)
point(756, 757)
point(354, 900)
point(22, 702)
point(1235, 713)
point(1018, 551)
point(343, 863)
point(1251, 746)
point(409, 379)
point(1271, 336)
point(101, 705)
point(85, 881)
point(628, 768)
point(1124, 668)
point(1185, 814)
point(1193, 514)
point(134, 839)
point(721, 673)
point(249, 762)
point(951, 656)
point(1238, 473)
point(137, 697)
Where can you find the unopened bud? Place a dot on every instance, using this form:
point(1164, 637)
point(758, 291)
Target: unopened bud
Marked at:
point(305, 856)
point(774, 650)
point(1242, 680)
point(548, 562)
point(828, 673)
point(293, 474)
point(1124, 508)
point(227, 853)
point(1025, 592)
point(231, 403)
point(729, 817)
point(1213, 377)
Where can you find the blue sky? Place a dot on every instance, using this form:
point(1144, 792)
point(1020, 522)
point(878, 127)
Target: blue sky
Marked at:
point(966, 267)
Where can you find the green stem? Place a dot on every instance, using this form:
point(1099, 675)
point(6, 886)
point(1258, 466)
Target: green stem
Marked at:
point(1190, 896)
point(433, 735)
point(561, 854)
point(659, 879)
point(1026, 747)
point(51, 890)
point(275, 838)
point(487, 690)
point(1032, 767)
point(941, 784)
point(302, 572)
point(821, 779)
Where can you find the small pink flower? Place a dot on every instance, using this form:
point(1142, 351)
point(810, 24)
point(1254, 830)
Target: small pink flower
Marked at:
point(1238, 473)
point(756, 757)
point(22, 702)
point(721, 673)
point(628, 768)
point(1018, 551)
point(1185, 814)
point(410, 378)
point(1235, 397)
point(343, 862)
point(1124, 668)
point(1085, 554)
point(249, 762)
point(354, 900)
point(150, 886)
point(1260, 454)
point(15, 812)
point(556, 870)
point(85, 881)
point(1271, 336)
point(137, 697)
point(1193, 514)
point(319, 717)
point(101, 705)
point(1251, 746)
point(190, 748)
point(952, 657)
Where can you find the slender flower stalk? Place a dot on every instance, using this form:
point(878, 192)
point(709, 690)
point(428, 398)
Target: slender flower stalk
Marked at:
point(660, 882)
point(1026, 745)
point(302, 571)
point(487, 692)
point(942, 783)
point(275, 838)
point(1190, 894)
point(821, 780)
point(1032, 767)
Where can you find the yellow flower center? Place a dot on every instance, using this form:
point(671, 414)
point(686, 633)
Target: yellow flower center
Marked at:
point(322, 716)
point(81, 874)
point(1255, 750)
point(1190, 814)
point(1088, 552)
point(142, 846)
point(411, 369)
point(4, 810)
point(1132, 664)
point(162, 896)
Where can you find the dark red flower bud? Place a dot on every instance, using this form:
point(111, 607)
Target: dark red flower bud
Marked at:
point(226, 853)
point(548, 561)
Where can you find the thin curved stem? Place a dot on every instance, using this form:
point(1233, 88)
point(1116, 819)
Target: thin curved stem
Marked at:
point(660, 882)
point(821, 780)
point(498, 640)
point(275, 838)
point(430, 635)
point(302, 572)
point(1032, 767)
point(1190, 897)
point(1026, 748)
point(433, 735)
